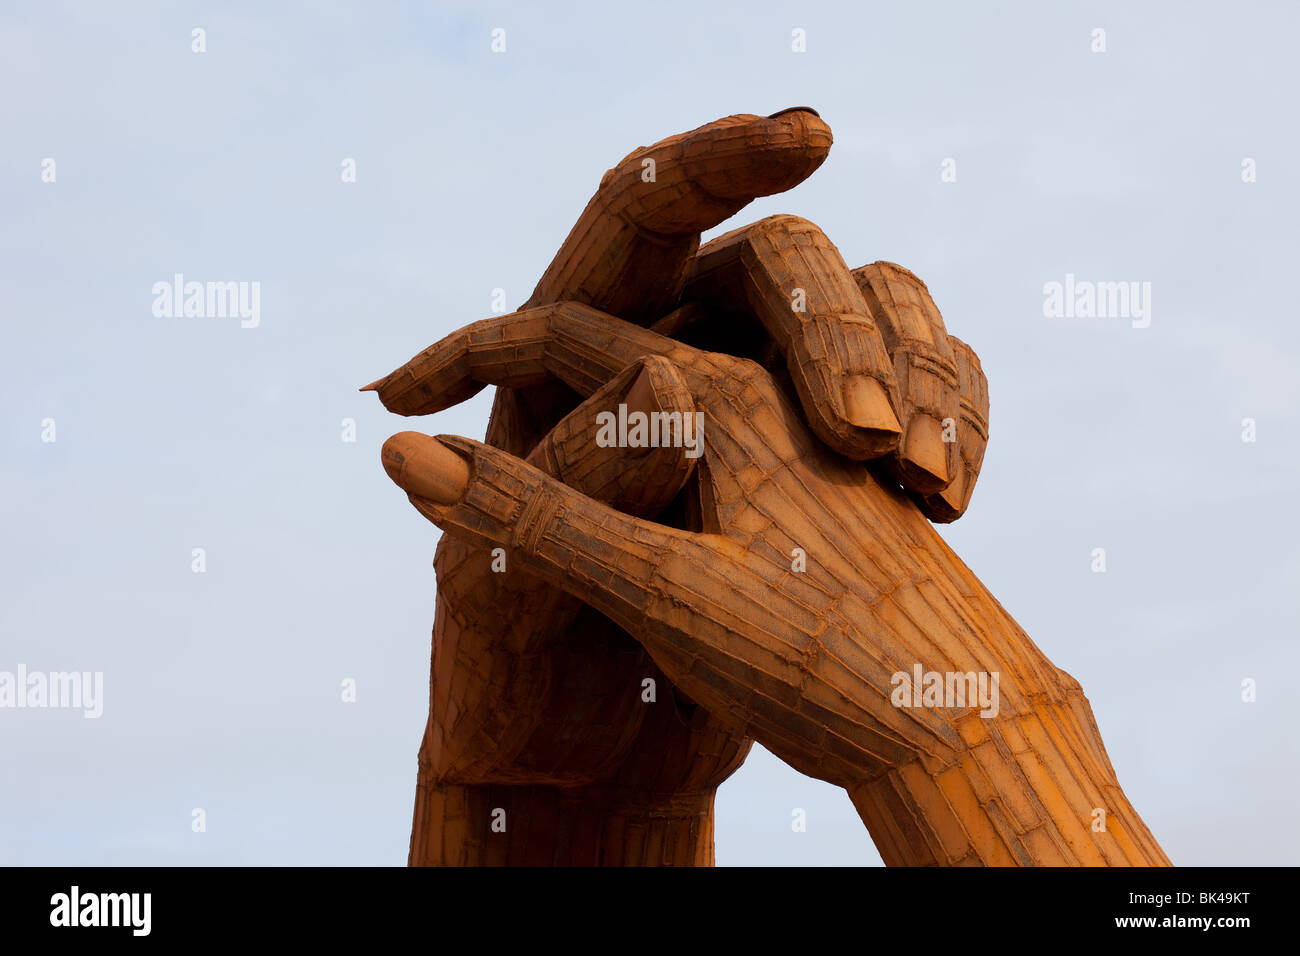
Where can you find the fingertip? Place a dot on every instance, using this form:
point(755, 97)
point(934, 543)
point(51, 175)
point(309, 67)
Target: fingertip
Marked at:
point(807, 126)
point(948, 505)
point(794, 109)
point(774, 153)
point(867, 406)
point(955, 495)
point(923, 455)
point(426, 467)
point(936, 509)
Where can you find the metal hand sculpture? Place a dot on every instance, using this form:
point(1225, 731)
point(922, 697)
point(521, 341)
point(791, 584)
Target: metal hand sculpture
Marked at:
point(591, 692)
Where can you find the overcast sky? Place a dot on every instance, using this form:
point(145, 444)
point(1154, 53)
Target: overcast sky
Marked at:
point(222, 689)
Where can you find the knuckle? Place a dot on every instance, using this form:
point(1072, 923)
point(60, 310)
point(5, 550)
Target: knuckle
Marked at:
point(784, 222)
point(894, 270)
point(741, 369)
point(1068, 684)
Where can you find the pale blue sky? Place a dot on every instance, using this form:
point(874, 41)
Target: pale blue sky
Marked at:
point(222, 689)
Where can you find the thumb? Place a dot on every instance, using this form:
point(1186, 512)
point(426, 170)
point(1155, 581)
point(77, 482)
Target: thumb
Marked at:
point(491, 498)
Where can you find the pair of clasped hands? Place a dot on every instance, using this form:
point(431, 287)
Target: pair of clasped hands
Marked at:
point(631, 618)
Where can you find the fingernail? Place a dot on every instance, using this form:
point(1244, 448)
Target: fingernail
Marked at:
point(924, 449)
point(794, 109)
point(425, 467)
point(866, 404)
point(955, 493)
point(640, 394)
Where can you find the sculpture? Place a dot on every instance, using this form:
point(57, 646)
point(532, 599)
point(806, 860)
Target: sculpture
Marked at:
point(616, 623)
